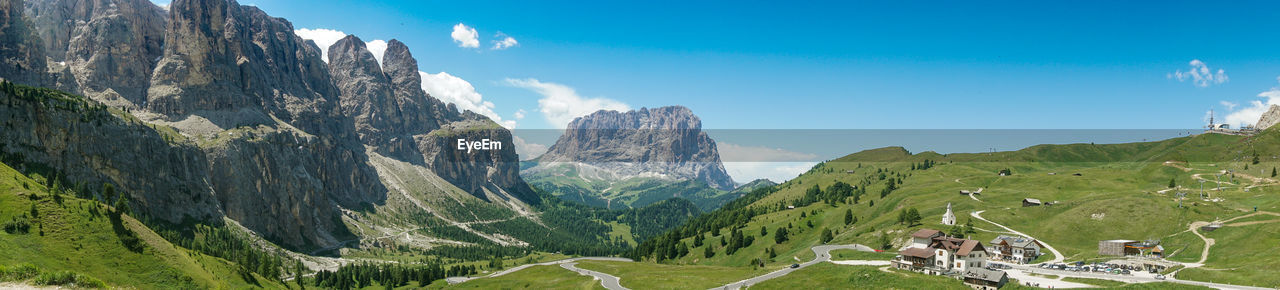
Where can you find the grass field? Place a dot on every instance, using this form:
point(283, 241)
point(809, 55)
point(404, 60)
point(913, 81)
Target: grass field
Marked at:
point(846, 254)
point(1241, 256)
point(1095, 282)
point(639, 275)
point(827, 276)
point(536, 277)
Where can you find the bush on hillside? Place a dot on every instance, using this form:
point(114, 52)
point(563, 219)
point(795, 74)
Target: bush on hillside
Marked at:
point(17, 225)
point(68, 278)
point(19, 272)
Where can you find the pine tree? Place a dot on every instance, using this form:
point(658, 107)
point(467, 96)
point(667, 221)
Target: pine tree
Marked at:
point(827, 236)
point(1172, 184)
point(708, 253)
point(763, 231)
point(780, 235)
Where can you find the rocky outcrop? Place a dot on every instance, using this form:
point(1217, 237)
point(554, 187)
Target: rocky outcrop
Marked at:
point(293, 150)
point(22, 57)
point(110, 46)
point(487, 174)
point(665, 142)
point(398, 119)
point(90, 146)
point(366, 93)
point(1268, 119)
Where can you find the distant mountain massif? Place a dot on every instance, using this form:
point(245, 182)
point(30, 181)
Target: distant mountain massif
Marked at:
point(631, 159)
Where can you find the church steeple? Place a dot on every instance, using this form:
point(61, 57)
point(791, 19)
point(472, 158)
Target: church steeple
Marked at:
point(949, 218)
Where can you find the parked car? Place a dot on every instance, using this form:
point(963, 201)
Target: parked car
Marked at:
point(793, 266)
point(1159, 277)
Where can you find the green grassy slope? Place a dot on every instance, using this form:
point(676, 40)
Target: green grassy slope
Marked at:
point(1120, 193)
point(536, 277)
point(74, 236)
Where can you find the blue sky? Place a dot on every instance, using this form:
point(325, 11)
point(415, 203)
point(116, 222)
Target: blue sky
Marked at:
point(842, 65)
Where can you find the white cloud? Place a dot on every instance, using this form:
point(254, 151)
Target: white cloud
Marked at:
point(747, 163)
point(377, 47)
point(774, 171)
point(503, 42)
point(1200, 75)
point(738, 153)
point(1230, 106)
point(528, 150)
point(325, 38)
point(1249, 115)
point(519, 114)
point(560, 104)
point(465, 36)
point(458, 91)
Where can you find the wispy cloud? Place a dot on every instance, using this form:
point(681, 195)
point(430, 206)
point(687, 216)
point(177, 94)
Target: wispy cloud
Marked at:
point(528, 150)
point(560, 104)
point(460, 92)
point(503, 42)
point(1200, 75)
point(465, 36)
point(1250, 114)
point(747, 163)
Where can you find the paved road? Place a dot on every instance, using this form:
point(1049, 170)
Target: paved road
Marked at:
point(610, 282)
point(456, 280)
point(1137, 277)
point(821, 254)
point(1057, 256)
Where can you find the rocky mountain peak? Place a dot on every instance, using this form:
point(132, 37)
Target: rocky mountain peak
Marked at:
point(109, 46)
point(1270, 118)
point(400, 66)
point(665, 142)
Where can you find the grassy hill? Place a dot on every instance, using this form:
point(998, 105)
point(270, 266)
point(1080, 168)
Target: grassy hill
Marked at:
point(1100, 191)
point(77, 237)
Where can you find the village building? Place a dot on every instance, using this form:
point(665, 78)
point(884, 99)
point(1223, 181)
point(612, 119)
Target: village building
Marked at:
point(949, 218)
point(1019, 250)
point(934, 253)
point(1118, 248)
point(985, 279)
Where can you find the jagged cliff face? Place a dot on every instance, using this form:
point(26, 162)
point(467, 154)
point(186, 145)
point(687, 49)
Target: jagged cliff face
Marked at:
point(665, 142)
point(21, 55)
point(396, 118)
point(302, 159)
point(91, 147)
point(108, 48)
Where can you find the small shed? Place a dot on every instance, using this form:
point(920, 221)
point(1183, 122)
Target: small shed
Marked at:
point(1031, 202)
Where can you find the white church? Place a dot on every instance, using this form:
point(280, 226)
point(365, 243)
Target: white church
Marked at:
point(949, 218)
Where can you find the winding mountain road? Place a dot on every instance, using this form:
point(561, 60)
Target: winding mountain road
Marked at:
point(610, 282)
point(606, 280)
point(1057, 256)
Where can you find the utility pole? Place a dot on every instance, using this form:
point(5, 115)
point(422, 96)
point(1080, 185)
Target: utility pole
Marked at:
point(1202, 189)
